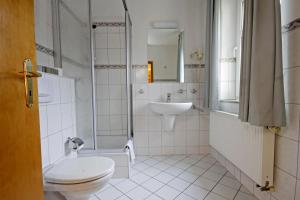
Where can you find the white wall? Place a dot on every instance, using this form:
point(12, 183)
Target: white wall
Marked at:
point(57, 118)
point(287, 144)
point(191, 132)
point(189, 14)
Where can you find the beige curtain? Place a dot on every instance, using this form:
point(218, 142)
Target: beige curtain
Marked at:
point(261, 88)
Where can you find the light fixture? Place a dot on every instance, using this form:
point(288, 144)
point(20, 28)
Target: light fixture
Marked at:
point(164, 25)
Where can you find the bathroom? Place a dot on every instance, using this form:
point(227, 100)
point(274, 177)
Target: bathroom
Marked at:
point(160, 99)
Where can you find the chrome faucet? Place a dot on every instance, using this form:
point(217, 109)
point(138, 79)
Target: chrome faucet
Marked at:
point(168, 97)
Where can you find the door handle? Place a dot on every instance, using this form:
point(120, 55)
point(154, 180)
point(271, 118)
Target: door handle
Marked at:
point(28, 74)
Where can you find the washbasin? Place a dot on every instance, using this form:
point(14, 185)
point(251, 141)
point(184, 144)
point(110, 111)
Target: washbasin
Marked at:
point(170, 108)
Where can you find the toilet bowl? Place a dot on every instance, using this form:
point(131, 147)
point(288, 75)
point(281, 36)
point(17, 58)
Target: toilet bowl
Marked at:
point(79, 178)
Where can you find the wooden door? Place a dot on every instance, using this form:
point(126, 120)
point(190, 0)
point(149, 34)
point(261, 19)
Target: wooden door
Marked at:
point(20, 153)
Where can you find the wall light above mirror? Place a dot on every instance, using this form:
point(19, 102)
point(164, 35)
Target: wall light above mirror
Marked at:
point(165, 55)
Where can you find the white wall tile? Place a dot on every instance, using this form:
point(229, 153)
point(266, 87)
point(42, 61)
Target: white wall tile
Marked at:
point(286, 152)
point(102, 76)
point(154, 91)
point(114, 41)
point(102, 92)
point(55, 147)
point(45, 152)
point(290, 10)
point(140, 123)
point(66, 115)
point(291, 48)
point(168, 139)
point(154, 123)
point(43, 121)
point(114, 56)
point(291, 83)
point(155, 139)
point(115, 76)
point(116, 122)
point(285, 185)
point(103, 107)
point(53, 118)
point(66, 90)
point(292, 118)
point(101, 41)
point(115, 92)
point(193, 138)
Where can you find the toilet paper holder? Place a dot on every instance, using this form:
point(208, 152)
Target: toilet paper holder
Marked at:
point(75, 143)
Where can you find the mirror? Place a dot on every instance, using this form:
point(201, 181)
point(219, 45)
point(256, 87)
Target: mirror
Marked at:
point(165, 55)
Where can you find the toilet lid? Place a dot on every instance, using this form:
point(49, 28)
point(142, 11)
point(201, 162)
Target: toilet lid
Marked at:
point(79, 170)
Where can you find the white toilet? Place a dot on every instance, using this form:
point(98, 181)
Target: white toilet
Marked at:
point(79, 178)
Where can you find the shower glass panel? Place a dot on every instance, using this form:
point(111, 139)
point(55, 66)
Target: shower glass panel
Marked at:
point(76, 61)
point(109, 28)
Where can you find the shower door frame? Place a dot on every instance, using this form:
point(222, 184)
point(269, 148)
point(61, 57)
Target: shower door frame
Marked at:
point(58, 63)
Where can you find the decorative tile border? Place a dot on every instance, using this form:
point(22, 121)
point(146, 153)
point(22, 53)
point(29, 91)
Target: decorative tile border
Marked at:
point(291, 26)
point(187, 66)
point(109, 24)
point(44, 49)
point(48, 70)
point(110, 66)
point(227, 60)
point(193, 66)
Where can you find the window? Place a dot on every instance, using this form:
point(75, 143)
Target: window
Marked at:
point(230, 23)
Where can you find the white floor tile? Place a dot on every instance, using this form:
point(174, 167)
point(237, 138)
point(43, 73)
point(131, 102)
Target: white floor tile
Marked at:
point(109, 194)
point(174, 171)
point(183, 165)
point(152, 185)
point(153, 197)
point(140, 178)
point(184, 197)
point(212, 196)
point(224, 191)
point(196, 192)
point(151, 171)
point(138, 193)
point(196, 170)
point(179, 184)
point(141, 166)
point(176, 177)
point(232, 183)
point(123, 198)
point(167, 193)
point(151, 162)
point(218, 169)
point(164, 177)
point(189, 177)
point(244, 196)
point(126, 185)
point(212, 176)
point(205, 183)
point(203, 165)
point(162, 166)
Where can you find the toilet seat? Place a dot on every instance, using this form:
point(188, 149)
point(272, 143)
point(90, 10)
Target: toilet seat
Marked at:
point(79, 170)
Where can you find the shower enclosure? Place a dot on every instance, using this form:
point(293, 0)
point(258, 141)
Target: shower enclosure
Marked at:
point(92, 43)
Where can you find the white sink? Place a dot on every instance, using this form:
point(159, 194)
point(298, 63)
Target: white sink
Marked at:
point(169, 110)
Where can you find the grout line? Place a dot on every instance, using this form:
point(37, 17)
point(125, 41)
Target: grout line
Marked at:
point(174, 177)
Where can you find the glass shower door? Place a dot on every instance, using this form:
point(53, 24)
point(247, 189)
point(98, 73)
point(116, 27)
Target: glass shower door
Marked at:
point(76, 61)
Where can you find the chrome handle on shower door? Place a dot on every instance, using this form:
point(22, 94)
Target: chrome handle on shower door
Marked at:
point(28, 74)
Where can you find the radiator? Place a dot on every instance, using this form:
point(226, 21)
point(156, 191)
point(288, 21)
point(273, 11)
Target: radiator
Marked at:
point(249, 148)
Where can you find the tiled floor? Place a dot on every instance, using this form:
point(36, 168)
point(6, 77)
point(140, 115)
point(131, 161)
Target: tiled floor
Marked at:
point(176, 177)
